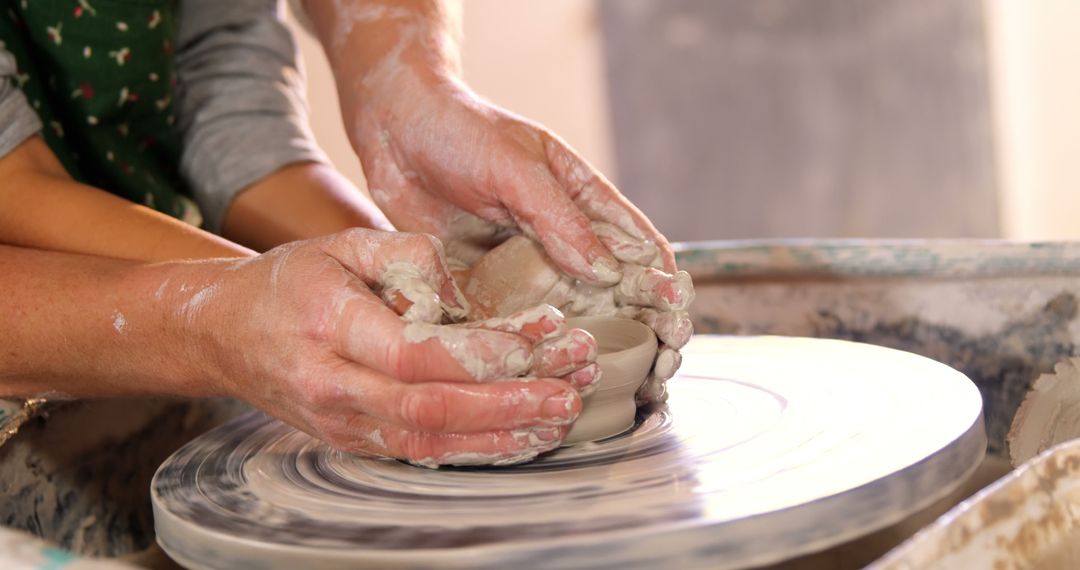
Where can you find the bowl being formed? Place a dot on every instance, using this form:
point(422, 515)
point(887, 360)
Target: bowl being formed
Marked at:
point(627, 351)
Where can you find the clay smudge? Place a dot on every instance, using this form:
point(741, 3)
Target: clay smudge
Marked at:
point(281, 257)
point(191, 309)
point(601, 268)
point(351, 13)
point(159, 294)
point(377, 438)
point(118, 321)
point(623, 246)
point(648, 286)
point(406, 279)
point(519, 321)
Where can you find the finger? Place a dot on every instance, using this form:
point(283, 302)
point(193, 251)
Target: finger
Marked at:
point(397, 259)
point(540, 205)
point(673, 328)
point(600, 200)
point(653, 391)
point(623, 246)
point(654, 288)
point(536, 324)
point(447, 407)
point(565, 354)
point(432, 450)
point(668, 361)
point(406, 292)
point(369, 333)
point(586, 379)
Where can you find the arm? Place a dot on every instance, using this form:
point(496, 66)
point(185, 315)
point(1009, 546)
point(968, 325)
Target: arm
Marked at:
point(68, 319)
point(42, 207)
point(256, 169)
point(434, 152)
point(300, 201)
point(299, 332)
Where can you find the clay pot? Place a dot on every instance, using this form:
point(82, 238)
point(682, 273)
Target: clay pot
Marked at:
point(627, 350)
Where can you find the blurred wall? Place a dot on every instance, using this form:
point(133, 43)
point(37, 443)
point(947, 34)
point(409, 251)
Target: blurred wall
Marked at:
point(1034, 48)
point(544, 59)
point(787, 118)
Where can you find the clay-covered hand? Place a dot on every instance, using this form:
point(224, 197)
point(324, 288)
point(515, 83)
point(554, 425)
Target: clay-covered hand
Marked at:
point(439, 159)
point(302, 333)
point(479, 174)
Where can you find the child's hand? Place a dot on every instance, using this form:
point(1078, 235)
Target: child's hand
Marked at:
point(302, 333)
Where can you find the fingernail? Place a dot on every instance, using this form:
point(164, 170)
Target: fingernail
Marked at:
point(653, 392)
point(587, 379)
point(606, 270)
point(683, 288)
point(560, 406)
point(667, 363)
point(584, 347)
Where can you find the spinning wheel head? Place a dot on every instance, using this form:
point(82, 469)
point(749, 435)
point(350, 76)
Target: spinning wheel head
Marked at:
point(767, 448)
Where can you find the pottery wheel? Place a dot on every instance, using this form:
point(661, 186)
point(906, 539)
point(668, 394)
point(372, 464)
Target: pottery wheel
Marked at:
point(768, 448)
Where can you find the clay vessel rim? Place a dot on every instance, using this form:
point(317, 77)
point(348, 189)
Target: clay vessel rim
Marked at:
point(641, 330)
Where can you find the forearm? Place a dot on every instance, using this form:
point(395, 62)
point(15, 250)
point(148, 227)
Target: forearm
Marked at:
point(300, 201)
point(42, 207)
point(376, 48)
point(85, 326)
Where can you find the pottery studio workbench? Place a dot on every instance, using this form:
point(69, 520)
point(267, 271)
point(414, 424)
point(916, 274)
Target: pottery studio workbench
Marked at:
point(1001, 313)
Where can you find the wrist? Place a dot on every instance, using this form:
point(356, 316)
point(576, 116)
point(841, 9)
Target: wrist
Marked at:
point(174, 312)
point(378, 48)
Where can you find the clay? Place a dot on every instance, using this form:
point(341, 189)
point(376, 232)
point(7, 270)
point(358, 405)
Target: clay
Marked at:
point(514, 276)
point(627, 349)
point(1049, 414)
point(518, 274)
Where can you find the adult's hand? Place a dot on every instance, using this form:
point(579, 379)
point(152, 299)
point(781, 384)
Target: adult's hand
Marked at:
point(439, 159)
point(302, 333)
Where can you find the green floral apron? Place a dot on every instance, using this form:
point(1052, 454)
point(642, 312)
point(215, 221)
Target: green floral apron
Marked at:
point(100, 75)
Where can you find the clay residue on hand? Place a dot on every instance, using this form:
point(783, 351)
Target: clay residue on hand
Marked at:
point(404, 283)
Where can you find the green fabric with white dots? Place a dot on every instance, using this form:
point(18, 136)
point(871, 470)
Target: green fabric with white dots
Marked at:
point(100, 74)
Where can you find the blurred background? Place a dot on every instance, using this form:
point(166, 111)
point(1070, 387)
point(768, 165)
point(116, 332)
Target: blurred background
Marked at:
point(727, 119)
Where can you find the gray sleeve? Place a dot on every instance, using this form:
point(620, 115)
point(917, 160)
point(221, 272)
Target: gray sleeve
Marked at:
point(240, 103)
point(18, 121)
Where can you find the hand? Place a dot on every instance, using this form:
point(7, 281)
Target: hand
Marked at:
point(439, 159)
point(302, 333)
point(479, 174)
